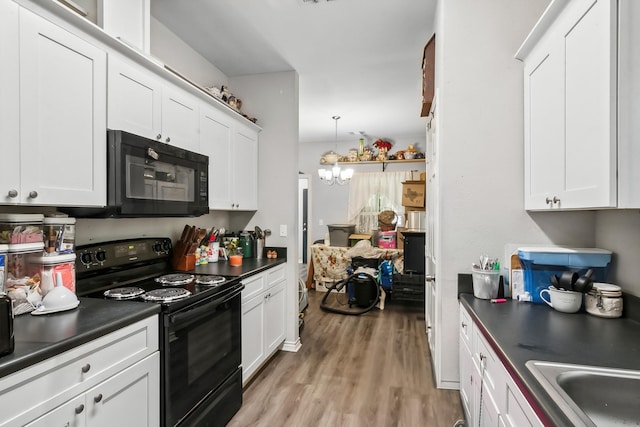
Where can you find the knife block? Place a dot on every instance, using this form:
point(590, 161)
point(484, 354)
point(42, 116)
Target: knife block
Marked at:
point(183, 262)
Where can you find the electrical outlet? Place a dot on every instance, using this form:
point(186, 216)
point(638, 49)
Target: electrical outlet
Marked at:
point(283, 230)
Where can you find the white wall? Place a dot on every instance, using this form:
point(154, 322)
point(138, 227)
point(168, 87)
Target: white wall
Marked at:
point(273, 99)
point(619, 231)
point(172, 51)
point(329, 203)
point(480, 157)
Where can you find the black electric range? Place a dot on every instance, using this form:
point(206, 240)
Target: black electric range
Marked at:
point(140, 269)
point(200, 324)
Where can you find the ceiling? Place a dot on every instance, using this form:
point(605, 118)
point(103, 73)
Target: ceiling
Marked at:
point(359, 59)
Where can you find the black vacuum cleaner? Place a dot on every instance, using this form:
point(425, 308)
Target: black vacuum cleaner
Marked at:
point(362, 291)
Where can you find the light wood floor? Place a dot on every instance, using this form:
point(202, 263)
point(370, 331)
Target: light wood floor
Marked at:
point(367, 370)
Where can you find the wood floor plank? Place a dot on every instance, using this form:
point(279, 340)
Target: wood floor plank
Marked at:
point(352, 371)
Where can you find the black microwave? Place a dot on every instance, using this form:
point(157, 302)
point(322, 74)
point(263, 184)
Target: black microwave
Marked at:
point(148, 178)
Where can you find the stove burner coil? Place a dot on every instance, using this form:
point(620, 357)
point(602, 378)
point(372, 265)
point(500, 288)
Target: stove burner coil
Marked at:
point(166, 295)
point(210, 280)
point(177, 279)
point(124, 293)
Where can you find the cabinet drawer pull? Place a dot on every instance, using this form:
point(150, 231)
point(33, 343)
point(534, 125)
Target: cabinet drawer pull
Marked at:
point(33, 194)
point(98, 398)
point(79, 409)
point(12, 194)
point(86, 368)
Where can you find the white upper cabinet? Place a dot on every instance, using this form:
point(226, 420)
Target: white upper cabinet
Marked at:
point(180, 118)
point(215, 142)
point(570, 62)
point(245, 169)
point(232, 148)
point(135, 99)
point(142, 103)
point(62, 116)
point(127, 20)
point(9, 102)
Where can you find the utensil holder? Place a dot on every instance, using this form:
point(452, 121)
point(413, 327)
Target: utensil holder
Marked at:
point(485, 283)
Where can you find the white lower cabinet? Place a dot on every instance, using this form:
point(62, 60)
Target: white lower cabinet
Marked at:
point(112, 380)
point(263, 318)
point(127, 398)
point(488, 393)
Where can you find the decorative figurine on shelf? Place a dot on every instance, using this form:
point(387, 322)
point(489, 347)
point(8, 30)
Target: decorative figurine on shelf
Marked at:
point(383, 147)
point(367, 155)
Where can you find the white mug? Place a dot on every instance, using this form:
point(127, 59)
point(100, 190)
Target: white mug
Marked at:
point(561, 300)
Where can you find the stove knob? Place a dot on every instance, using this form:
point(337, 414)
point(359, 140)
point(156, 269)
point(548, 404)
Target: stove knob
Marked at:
point(86, 258)
point(166, 245)
point(157, 247)
point(101, 256)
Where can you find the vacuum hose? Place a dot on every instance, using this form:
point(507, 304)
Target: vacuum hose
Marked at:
point(338, 286)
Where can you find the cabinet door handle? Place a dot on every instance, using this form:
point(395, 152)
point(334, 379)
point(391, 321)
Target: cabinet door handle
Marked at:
point(168, 139)
point(79, 409)
point(555, 200)
point(548, 200)
point(12, 194)
point(98, 398)
point(158, 137)
point(86, 368)
point(33, 194)
point(464, 325)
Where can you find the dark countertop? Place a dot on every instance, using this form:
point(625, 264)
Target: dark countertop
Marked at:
point(40, 337)
point(249, 267)
point(519, 332)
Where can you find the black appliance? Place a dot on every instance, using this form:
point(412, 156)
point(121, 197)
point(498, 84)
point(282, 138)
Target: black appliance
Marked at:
point(150, 178)
point(414, 252)
point(200, 325)
point(7, 341)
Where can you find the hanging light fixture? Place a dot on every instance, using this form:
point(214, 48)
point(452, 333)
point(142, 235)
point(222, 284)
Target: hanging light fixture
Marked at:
point(335, 175)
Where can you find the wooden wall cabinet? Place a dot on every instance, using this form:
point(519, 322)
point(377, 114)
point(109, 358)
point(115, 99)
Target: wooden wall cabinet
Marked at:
point(428, 75)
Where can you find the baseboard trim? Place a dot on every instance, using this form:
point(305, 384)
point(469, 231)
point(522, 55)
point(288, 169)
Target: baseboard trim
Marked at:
point(292, 346)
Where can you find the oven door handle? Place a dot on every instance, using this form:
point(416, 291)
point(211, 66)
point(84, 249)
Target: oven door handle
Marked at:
point(205, 308)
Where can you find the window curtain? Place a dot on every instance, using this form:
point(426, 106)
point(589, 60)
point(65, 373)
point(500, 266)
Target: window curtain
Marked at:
point(373, 192)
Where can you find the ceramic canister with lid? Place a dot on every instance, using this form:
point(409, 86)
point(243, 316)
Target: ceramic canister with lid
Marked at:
point(604, 300)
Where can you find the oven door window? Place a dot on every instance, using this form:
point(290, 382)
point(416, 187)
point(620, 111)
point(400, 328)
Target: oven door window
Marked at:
point(203, 351)
point(149, 179)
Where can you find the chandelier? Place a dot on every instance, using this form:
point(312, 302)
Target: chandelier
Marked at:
point(335, 175)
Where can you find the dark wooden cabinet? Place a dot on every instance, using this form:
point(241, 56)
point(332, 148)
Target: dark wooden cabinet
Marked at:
point(428, 75)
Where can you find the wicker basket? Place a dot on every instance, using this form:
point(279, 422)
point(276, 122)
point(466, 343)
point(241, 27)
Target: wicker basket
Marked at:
point(387, 220)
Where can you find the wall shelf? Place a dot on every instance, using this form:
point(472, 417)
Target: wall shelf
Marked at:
point(383, 163)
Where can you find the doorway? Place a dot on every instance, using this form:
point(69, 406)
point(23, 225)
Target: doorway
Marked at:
point(304, 218)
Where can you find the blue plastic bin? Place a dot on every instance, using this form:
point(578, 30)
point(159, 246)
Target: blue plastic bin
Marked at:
point(540, 263)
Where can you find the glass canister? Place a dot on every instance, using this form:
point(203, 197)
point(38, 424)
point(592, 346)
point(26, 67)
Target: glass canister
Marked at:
point(22, 283)
point(604, 300)
point(48, 267)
